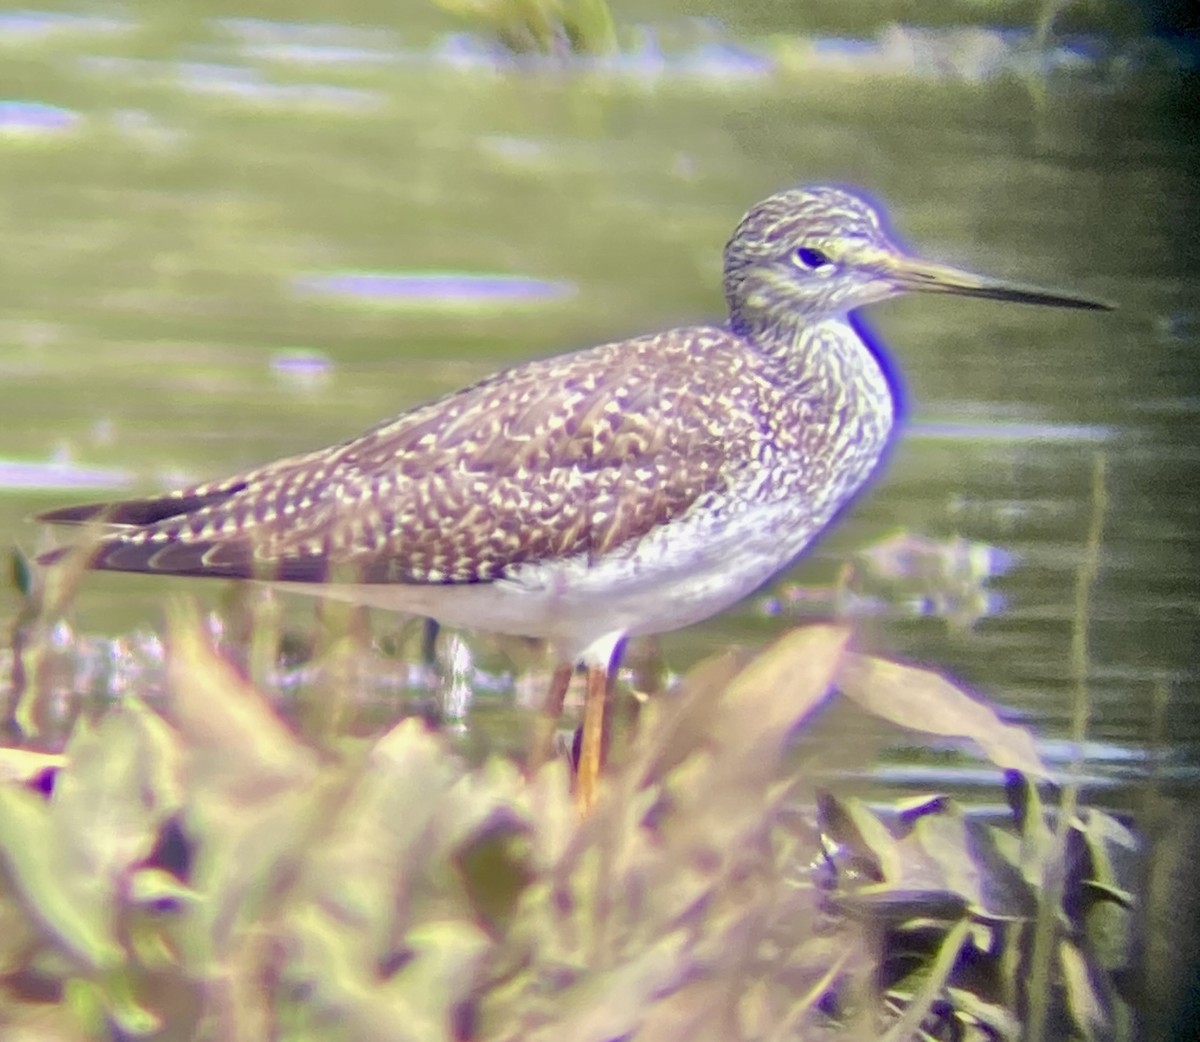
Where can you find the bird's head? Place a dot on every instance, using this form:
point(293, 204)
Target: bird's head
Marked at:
point(806, 254)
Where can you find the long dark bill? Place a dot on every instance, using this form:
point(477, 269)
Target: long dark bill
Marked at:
point(916, 274)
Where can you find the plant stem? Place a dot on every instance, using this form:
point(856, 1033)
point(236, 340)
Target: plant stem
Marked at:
point(1044, 937)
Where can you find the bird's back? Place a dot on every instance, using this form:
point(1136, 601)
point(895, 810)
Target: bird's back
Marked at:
point(567, 456)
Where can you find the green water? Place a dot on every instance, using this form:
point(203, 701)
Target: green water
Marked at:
point(150, 252)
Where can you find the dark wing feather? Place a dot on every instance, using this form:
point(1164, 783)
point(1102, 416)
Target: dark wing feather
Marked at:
point(569, 456)
point(136, 511)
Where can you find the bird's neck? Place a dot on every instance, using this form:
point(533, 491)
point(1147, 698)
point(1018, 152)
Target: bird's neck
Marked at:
point(764, 323)
point(835, 379)
point(830, 348)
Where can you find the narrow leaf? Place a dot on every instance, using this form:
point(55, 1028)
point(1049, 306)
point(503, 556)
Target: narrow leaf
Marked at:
point(25, 765)
point(76, 915)
point(924, 701)
point(939, 973)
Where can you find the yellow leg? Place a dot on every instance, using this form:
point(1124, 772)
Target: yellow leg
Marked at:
point(594, 742)
point(541, 748)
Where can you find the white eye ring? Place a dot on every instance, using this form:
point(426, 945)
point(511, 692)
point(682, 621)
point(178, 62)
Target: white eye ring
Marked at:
point(810, 258)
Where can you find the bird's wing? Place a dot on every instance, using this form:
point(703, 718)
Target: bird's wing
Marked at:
point(570, 456)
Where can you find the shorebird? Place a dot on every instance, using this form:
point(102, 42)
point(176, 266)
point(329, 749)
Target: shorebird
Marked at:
point(632, 488)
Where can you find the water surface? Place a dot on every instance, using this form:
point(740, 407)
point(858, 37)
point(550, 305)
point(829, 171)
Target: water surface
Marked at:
point(228, 239)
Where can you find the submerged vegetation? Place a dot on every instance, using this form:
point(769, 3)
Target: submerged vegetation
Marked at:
point(546, 27)
point(193, 865)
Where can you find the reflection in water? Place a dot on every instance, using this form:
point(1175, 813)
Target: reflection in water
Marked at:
point(906, 574)
point(59, 474)
point(24, 28)
point(995, 430)
point(460, 684)
point(937, 763)
point(302, 370)
point(432, 289)
point(236, 82)
point(30, 118)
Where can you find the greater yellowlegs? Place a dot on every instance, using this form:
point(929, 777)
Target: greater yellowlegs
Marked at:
point(629, 489)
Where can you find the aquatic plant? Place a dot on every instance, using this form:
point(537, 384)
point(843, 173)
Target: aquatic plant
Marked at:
point(193, 865)
point(548, 27)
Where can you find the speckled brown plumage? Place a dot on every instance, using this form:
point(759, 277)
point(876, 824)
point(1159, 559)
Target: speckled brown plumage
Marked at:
point(575, 455)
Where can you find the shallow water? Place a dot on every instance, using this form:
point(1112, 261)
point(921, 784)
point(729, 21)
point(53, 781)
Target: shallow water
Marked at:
point(229, 239)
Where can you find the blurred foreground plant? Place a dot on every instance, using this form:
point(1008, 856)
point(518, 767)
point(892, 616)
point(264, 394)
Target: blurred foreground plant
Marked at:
point(548, 27)
point(198, 871)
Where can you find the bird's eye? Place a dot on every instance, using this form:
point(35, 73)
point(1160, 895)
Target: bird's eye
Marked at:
point(810, 258)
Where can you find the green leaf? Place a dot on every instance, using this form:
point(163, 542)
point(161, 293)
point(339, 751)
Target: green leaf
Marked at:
point(495, 868)
point(153, 886)
point(778, 690)
point(727, 744)
point(132, 1019)
point(1085, 994)
point(1037, 843)
point(27, 766)
point(78, 915)
point(886, 904)
point(445, 960)
point(671, 728)
point(609, 1003)
point(939, 973)
point(1112, 847)
point(256, 795)
point(924, 701)
point(973, 865)
point(849, 823)
point(121, 785)
point(341, 985)
point(20, 572)
point(995, 1017)
point(590, 27)
point(1108, 929)
point(231, 733)
point(389, 824)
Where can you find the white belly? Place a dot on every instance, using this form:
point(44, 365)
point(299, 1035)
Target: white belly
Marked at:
point(676, 576)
